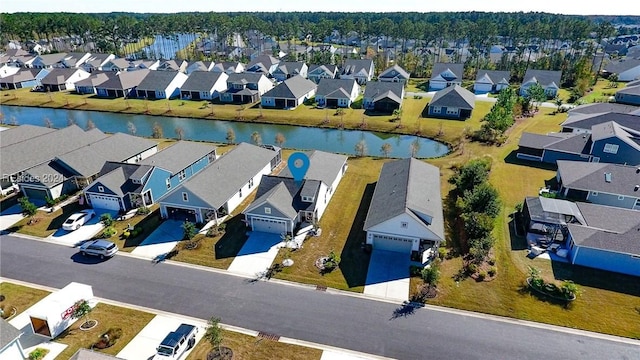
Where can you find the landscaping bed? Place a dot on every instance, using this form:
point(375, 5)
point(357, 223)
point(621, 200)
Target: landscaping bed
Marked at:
point(46, 223)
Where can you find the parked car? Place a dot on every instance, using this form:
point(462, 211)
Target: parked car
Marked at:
point(101, 248)
point(78, 219)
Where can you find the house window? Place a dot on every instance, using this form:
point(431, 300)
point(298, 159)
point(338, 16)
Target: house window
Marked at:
point(182, 175)
point(185, 197)
point(404, 225)
point(594, 193)
point(267, 210)
point(451, 111)
point(212, 157)
point(610, 148)
point(250, 183)
point(101, 188)
point(240, 193)
point(435, 109)
point(168, 182)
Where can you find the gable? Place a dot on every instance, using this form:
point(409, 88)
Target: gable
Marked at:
point(259, 210)
point(415, 227)
point(94, 189)
point(175, 197)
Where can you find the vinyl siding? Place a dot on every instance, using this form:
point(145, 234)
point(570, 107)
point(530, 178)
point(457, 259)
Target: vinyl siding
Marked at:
point(612, 200)
point(606, 260)
point(625, 155)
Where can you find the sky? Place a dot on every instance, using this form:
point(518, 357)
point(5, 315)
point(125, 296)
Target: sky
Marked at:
point(170, 6)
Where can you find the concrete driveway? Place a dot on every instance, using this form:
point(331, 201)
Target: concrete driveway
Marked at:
point(257, 254)
point(143, 345)
point(388, 275)
point(86, 231)
point(10, 216)
point(161, 241)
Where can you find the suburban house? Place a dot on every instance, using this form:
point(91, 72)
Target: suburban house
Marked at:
point(548, 79)
point(228, 67)
point(600, 183)
point(336, 93)
point(199, 66)
point(144, 64)
point(73, 60)
point(47, 61)
point(8, 70)
point(76, 169)
point(122, 185)
point(453, 102)
point(405, 214)
point(96, 62)
point(204, 85)
point(613, 143)
point(545, 220)
point(218, 189)
point(88, 85)
point(10, 347)
point(383, 96)
point(360, 70)
point(123, 85)
point(245, 88)
point(444, 75)
point(117, 64)
point(290, 93)
point(629, 95)
point(627, 69)
point(319, 72)
point(554, 146)
point(63, 79)
point(161, 85)
point(173, 65)
point(285, 70)
point(491, 81)
point(394, 74)
point(601, 108)
point(581, 123)
point(263, 64)
point(283, 204)
point(25, 78)
point(602, 243)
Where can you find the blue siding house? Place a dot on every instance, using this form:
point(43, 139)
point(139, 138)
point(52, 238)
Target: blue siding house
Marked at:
point(613, 143)
point(122, 186)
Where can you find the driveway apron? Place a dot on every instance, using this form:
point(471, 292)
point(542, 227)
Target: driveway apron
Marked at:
point(388, 275)
point(85, 232)
point(161, 241)
point(257, 254)
point(10, 216)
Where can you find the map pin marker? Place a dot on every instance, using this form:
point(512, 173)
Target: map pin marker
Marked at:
point(298, 165)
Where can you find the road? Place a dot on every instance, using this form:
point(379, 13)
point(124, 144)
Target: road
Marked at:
point(302, 313)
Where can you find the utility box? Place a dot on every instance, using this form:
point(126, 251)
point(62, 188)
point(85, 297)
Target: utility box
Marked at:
point(52, 315)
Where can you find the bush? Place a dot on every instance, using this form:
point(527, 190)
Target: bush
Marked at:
point(38, 353)
point(472, 268)
point(143, 210)
point(493, 271)
point(482, 275)
point(431, 274)
point(189, 230)
point(106, 219)
point(415, 270)
point(50, 202)
point(442, 253)
point(126, 234)
point(109, 231)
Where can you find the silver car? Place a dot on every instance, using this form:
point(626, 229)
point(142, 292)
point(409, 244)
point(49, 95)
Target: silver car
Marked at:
point(101, 248)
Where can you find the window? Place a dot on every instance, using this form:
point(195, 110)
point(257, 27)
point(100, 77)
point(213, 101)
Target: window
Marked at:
point(404, 224)
point(452, 111)
point(610, 148)
point(182, 175)
point(250, 183)
point(435, 109)
point(185, 196)
point(212, 156)
point(267, 210)
point(101, 188)
point(168, 182)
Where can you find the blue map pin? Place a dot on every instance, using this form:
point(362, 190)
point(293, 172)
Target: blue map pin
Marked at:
point(298, 165)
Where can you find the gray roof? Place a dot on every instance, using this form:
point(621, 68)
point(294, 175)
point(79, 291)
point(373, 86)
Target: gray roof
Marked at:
point(72, 58)
point(495, 76)
point(590, 176)
point(264, 62)
point(117, 177)
point(407, 186)
point(599, 108)
point(47, 174)
point(380, 89)
point(285, 194)
point(587, 121)
point(578, 144)
point(454, 96)
point(50, 59)
point(8, 333)
point(96, 79)
point(21, 133)
point(611, 129)
point(29, 153)
point(156, 80)
point(125, 80)
point(96, 60)
point(219, 181)
point(607, 228)
point(357, 67)
point(290, 67)
point(120, 63)
point(630, 90)
point(331, 69)
point(540, 141)
point(224, 66)
point(335, 88)
point(20, 76)
point(552, 211)
point(394, 71)
point(544, 77)
point(86, 354)
point(88, 160)
point(202, 81)
point(456, 69)
point(619, 66)
point(244, 78)
point(179, 155)
point(293, 88)
point(59, 76)
point(323, 166)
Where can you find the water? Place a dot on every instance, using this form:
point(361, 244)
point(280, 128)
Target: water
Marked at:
point(296, 137)
point(165, 47)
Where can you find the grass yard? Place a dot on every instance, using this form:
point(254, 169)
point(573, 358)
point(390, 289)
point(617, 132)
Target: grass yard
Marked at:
point(601, 91)
point(20, 297)
point(46, 223)
point(148, 223)
point(247, 347)
point(108, 316)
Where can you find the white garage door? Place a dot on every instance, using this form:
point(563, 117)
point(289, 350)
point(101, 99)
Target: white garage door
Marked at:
point(391, 243)
point(269, 225)
point(104, 202)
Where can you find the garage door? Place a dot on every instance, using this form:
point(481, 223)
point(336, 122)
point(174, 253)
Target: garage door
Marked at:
point(181, 214)
point(391, 243)
point(269, 225)
point(35, 194)
point(104, 202)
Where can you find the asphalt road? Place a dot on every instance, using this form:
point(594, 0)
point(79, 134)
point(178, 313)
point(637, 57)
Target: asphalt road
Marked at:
point(332, 319)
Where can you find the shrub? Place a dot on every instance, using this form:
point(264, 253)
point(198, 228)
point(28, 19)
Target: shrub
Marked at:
point(431, 274)
point(106, 219)
point(415, 270)
point(189, 230)
point(126, 234)
point(493, 271)
point(109, 231)
point(492, 261)
point(482, 275)
point(28, 208)
point(333, 259)
point(442, 253)
point(569, 289)
point(38, 353)
point(143, 210)
point(50, 202)
point(472, 268)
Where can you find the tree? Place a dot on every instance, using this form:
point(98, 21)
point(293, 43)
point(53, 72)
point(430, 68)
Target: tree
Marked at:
point(179, 132)
point(90, 125)
point(157, 132)
point(482, 199)
point(28, 208)
point(558, 102)
point(361, 148)
point(385, 149)
point(189, 230)
point(280, 139)
point(131, 128)
point(256, 138)
point(81, 309)
point(470, 175)
point(106, 219)
point(48, 123)
point(536, 94)
point(231, 136)
point(213, 334)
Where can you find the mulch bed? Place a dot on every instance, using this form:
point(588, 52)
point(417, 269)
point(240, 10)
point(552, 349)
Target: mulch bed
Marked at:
point(224, 353)
point(88, 325)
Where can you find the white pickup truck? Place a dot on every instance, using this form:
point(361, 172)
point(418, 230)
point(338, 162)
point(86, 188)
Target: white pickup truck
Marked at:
point(176, 343)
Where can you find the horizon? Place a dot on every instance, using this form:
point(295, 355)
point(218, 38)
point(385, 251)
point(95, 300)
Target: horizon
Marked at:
point(337, 6)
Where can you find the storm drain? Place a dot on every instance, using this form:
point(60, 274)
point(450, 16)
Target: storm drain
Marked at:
point(321, 288)
point(273, 337)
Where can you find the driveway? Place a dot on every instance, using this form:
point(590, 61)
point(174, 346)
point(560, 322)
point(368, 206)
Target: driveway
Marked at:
point(161, 241)
point(10, 216)
point(388, 275)
point(143, 345)
point(86, 231)
point(257, 254)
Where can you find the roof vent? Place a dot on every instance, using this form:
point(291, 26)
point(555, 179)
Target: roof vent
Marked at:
point(607, 177)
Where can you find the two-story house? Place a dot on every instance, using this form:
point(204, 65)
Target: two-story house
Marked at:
point(360, 70)
point(204, 85)
point(286, 69)
point(319, 72)
point(337, 92)
point(245, 88)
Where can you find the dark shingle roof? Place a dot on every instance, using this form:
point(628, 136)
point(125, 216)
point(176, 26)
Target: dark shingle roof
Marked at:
point(21, 133)
point(578, 144)
point(332, 87)
point(375, 89)
point(394, 71)
point(125, 80)
point(590, 176)
point(357, 67)
point(454, 96)
point(244, 78)
point(495, 76)
point(58, 76)
point(540, 141)
point(117, 177)
point(407, 186)
point(178, 156)
point(544, 77)
point(157, 80)
point(618, 66)
point(456, 69)
point(202, 80)
point(598, 108)
point(323, 166)
point(587, 121)
point(47, 174)
point(630, 90)
point(293, 88)
point(285, 194)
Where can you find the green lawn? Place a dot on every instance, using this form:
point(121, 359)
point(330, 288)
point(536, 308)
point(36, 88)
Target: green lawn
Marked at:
point(147, 223)
point(19, 297)
point(601, 91)
point(45, 223)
